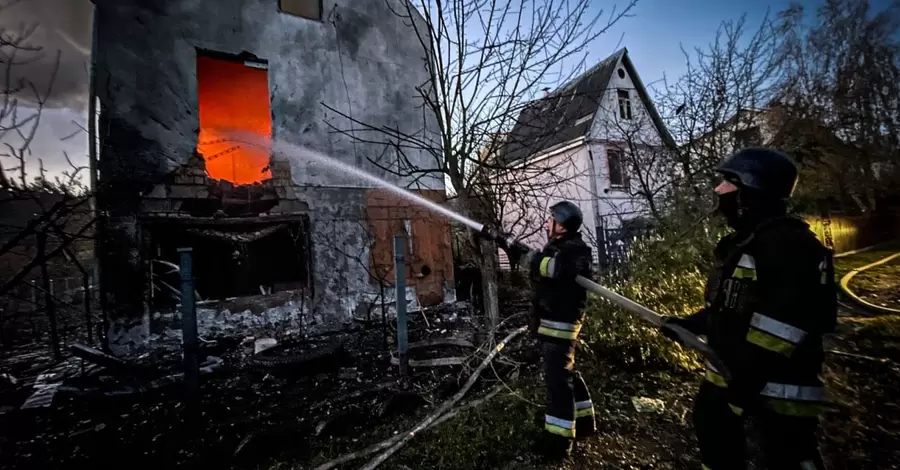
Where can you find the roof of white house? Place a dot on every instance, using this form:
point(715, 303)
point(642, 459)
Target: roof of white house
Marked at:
point(559, 116)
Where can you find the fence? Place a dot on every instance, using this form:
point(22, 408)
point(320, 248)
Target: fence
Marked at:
point(847, 233)
point(25, 313)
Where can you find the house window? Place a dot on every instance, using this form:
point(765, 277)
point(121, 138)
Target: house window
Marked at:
point(624, 104)
point(747, 137)
point(218, 76)
point(311, 9)
point(617, 176)
point(232, 260)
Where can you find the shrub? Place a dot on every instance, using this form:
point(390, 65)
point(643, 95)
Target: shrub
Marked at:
point(666, 273)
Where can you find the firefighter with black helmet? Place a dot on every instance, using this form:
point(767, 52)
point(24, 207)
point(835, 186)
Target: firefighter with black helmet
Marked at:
point(558, 302)
point(770, 299)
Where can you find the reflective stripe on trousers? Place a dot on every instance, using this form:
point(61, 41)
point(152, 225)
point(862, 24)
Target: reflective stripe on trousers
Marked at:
point(786, 399)
point(558, 329)
point(584, 408)
point(559, 426)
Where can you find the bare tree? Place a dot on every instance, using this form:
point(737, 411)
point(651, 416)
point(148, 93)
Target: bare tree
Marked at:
point(714, 101)
point(484, 62)
point(48, 219)
point(839, 101)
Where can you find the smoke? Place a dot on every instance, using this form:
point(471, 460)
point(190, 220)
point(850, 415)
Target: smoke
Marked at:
point(60, 27)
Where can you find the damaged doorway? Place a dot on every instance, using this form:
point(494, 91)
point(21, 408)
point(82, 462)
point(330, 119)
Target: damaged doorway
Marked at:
point(231, 260)
point(233, 98)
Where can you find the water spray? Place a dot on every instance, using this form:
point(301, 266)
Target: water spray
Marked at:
point(295, 152)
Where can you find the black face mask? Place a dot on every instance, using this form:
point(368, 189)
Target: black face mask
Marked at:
point(729, 206)
point(745, 208)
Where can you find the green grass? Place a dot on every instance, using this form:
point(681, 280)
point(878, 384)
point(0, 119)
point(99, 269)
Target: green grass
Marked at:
point(879, 285)
point(493, 433)
point(843, 265)
point(882, 326)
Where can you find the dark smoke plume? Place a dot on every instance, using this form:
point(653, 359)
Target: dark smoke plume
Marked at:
point(62, 27)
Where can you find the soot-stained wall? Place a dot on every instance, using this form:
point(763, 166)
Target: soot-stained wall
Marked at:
point(361, 59)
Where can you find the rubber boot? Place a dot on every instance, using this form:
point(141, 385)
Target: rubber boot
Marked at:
point(585, 427)
point(553, 448)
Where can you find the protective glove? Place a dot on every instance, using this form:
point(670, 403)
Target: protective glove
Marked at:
point(685, 323)
point(504, 240)
point(519, 254)
point(695, 323)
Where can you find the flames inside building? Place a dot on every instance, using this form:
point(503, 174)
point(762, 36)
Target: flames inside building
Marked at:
point(233, 97)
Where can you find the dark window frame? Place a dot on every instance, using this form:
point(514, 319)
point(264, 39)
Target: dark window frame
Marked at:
point(298, 15)
point(617, 155)
point(623, 98)
point(749, 137)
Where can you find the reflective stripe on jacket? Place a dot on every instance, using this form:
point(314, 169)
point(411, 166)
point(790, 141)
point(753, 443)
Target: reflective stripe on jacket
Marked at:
point(558, 299)
point(771, 297)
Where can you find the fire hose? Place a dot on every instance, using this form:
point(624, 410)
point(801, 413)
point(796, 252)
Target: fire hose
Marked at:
point(687, 338)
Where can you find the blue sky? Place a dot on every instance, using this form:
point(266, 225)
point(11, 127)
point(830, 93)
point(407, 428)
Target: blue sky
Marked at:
point(658, 28)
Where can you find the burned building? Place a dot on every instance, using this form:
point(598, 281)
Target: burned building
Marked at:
point(278, 244)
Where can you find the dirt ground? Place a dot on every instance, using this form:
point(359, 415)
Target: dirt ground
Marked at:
point(266, 419)
point(879, 285)
point(862, 430)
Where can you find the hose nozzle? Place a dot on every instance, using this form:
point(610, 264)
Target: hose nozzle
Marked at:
point(502, 239)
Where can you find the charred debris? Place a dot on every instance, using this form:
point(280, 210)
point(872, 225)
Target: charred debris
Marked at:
point(259, 398)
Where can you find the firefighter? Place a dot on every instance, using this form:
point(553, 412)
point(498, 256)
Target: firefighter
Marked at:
point(558, 302)
point(770, 299)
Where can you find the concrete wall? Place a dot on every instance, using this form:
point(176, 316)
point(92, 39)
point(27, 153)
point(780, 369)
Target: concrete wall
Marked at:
point(360, 59)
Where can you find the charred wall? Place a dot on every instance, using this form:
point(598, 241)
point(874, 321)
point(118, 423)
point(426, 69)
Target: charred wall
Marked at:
point(358, 58)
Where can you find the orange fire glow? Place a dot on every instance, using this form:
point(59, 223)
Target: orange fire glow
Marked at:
point(233, 98)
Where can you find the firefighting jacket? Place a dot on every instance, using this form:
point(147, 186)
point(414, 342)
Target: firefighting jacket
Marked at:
point(770, 300)
point(558, 300)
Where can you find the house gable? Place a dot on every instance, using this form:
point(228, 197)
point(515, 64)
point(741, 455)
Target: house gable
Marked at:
point(570, 112)
point(561, 116)
point(611, 116)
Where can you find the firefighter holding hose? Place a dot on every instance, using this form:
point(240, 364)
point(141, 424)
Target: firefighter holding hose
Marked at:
point(558, 302)
point(769, 300)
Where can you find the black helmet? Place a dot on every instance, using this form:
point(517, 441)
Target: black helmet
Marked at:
point(766, 170)
point(568, 215)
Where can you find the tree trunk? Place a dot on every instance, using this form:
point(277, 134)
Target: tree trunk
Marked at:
point(488, 266)
point(485, 253)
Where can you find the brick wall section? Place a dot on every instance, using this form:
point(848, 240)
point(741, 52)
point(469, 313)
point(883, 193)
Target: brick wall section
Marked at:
point(431, 245)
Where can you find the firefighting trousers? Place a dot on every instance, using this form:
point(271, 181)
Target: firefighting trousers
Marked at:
point(786, 442)
point(569, 407)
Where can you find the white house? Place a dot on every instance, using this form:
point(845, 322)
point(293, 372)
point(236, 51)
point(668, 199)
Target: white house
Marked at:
point(596, 141)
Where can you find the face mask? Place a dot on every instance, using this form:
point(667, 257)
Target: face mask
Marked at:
point(729, 207)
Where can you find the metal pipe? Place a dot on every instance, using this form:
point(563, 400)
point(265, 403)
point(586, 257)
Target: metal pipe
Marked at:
point(189, 324)
point(400, 296)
